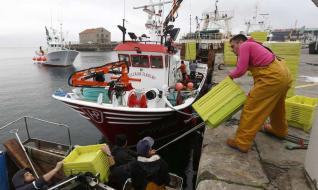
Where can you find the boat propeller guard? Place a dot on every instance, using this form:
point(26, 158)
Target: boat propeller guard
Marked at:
point(94, 77)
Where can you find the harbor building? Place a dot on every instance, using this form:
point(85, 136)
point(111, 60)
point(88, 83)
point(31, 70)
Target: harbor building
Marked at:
point(95, 36)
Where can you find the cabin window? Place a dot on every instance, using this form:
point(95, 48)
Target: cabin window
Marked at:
point(140, 60)
point(124, 57)
point(156, 61)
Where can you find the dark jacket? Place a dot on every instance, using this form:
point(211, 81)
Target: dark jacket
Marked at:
point(145, 170)
point(122, 155)
point(20, 184)
point(120, 172)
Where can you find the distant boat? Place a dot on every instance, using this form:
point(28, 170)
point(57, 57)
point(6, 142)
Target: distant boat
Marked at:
point(56, 54)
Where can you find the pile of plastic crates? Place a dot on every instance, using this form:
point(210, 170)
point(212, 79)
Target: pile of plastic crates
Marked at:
point(87, 159)
point(259, 36)
point(229, 57)
point(290, 52)
point(220, 103)
point(300, 111)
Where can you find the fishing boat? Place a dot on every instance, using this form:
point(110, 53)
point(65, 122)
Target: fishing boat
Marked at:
point(143, 93)
point(22, 148)
point(56, 53)
point(212, 29)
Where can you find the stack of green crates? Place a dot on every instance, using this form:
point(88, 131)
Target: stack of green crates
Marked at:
point(290, 51)
point(190, 51)
point(259, 36)
point(300, 111)
point(220, 103)
point(229, 57)
point(87, 159)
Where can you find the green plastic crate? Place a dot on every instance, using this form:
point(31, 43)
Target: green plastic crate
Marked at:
point(87, 159)
point(228, 56)
point(300, 111)
point(220, 103)
point(259, 36)
point(284, 48)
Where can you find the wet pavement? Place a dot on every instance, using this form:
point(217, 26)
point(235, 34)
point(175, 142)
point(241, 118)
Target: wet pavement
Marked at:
point(269, 164)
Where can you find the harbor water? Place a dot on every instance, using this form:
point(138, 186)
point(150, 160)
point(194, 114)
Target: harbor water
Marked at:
point(26, 89)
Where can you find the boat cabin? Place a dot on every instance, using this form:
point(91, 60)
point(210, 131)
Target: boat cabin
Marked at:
point(152, 63)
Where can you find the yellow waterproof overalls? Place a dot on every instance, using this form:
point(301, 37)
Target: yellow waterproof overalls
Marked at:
point(266, 99)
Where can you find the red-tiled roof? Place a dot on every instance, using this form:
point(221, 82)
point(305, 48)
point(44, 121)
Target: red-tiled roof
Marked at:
point(133, 46)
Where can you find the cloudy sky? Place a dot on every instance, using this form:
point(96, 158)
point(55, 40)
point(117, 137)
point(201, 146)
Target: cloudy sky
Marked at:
point(22, 21)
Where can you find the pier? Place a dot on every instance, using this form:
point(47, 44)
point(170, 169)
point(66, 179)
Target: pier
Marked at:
point(94, 46)
point(268, 165)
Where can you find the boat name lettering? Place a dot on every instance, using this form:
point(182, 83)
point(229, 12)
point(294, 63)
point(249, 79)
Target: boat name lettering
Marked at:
point(95, 115)
point(143, 74)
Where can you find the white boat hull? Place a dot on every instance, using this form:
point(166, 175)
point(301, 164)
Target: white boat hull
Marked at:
point(61, 58)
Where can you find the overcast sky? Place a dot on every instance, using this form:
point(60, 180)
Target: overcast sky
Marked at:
point(22, 21)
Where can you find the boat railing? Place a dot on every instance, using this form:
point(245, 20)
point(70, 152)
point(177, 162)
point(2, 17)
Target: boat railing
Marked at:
point(11, 126)
point(145, 42)
point(203, 36)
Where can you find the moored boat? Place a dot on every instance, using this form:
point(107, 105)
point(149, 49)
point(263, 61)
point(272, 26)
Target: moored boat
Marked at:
point(56, 53)
point(143, 93)
point(27, 150)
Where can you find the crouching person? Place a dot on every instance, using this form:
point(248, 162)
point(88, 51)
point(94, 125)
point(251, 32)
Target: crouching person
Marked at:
point(121, 157)
point(149, 171)
point(24, 179)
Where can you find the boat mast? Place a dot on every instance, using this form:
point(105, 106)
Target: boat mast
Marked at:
point(257, 24)
point(155, 23)
point(61, 35)
point(155, 18)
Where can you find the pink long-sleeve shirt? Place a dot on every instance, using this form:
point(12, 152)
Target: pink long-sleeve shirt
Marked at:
point(251, 54)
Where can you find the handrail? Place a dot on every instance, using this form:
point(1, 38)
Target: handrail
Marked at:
point(38, 119)
point(202, 36)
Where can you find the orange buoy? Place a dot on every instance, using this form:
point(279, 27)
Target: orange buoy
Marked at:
point(190, 85)
point(132, 100)
point(34, 58)
point(143, 101)
point(179, 86)
point(38, 58)
point(43, 58)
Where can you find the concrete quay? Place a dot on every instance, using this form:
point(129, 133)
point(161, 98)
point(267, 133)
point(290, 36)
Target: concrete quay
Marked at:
point(269, 165)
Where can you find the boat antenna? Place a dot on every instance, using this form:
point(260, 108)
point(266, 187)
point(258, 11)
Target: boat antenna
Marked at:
point(190, 16)
point(190, 24)
point(216, 12)
point(122, 28)
point(124, 9)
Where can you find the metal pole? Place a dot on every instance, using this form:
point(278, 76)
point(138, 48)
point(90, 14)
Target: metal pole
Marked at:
point(62, 183)
point(124, 32)
point(15, 131)
point(316, 48)
point(184, 134)
point(26, 127)
point(69, 136)
point(190, 23)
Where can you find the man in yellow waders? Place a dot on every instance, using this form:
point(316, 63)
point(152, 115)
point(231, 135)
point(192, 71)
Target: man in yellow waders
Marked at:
point(272, 80)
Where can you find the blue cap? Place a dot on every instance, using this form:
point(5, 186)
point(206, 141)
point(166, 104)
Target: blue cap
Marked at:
point(144, 145)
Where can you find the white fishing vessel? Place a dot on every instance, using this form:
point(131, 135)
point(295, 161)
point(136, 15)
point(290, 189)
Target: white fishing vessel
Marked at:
point(56, 54)
point(141, 94)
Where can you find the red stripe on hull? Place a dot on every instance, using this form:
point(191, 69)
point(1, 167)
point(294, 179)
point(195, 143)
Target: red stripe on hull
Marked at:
point(135, 125)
